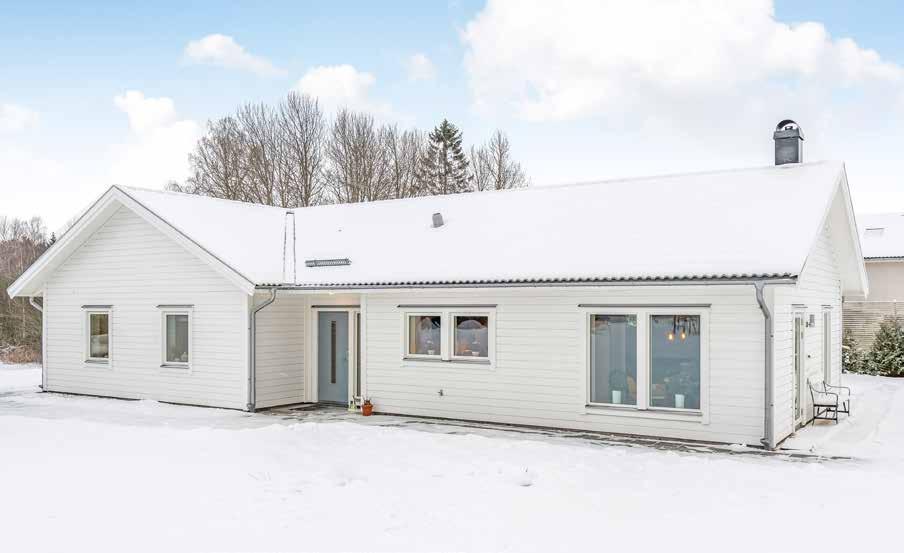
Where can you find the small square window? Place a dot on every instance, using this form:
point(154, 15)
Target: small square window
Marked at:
point(425, 335)
point(471, 337)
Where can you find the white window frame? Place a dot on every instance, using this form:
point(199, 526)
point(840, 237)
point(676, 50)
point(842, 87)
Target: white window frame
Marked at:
point(447, 334)
point(644, 363)
point(406, 321)
point(86, 339)
point(164, 313)
point(827, 336)
point(491, 336)
point(641, 337)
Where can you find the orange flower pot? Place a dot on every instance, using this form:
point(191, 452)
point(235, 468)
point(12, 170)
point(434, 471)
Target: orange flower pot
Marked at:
point(367, 409)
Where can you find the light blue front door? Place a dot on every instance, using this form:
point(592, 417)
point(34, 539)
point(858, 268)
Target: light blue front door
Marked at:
point(332, 356)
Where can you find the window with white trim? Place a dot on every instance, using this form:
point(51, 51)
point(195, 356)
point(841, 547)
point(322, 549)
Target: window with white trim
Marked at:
point(425, 335)
point(647, 359)
point(176, 333)
point(450, 334)
point(98, 335)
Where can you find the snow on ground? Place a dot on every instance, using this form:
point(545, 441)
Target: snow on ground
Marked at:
point(81, 473)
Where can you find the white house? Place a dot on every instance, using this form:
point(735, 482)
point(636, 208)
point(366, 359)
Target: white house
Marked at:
point(882, 239)
point(691, 306)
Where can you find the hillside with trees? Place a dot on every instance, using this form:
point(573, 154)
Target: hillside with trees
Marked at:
point(21, 242)
point(293, 155)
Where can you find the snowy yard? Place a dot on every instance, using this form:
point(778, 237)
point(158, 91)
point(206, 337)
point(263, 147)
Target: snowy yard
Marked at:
point(80, 473)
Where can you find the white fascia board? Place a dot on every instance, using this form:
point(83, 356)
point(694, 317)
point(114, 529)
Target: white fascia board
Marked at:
point(241, 281)
point(845, 190)
point(853, 254)
point(31, 282)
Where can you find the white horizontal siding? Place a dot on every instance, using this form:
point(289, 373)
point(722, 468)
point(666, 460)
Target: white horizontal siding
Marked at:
point(819, 285)
point(539, 376)
point(280, 351)
point(134, 267)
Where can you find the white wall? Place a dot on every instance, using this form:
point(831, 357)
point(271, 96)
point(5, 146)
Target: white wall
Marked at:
point(134, 267)
point(280, 351)
point(819, 285)
point(540, 374)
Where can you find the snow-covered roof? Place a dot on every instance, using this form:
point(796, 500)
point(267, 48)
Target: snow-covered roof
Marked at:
point(758, 222)
point(748, 223)
point(881, 235)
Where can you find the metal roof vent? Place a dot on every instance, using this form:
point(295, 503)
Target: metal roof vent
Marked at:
point(437, 220)
point(327, 262)
point(874, 232)
point(789, 143)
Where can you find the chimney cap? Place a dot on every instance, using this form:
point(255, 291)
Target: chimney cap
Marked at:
point(788, 128)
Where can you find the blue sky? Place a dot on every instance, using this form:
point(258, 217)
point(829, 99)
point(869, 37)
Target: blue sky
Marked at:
point(553, 76)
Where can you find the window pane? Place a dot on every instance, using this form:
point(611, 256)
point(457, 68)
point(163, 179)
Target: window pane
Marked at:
point(675, 361)
point(99, 340)
point(472, 338)
point(424, 334)
point(177, 338)
point(613, 359)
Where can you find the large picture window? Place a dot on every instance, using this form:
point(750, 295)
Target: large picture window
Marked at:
point(613, 359)
point(675, 361)
point(648, 358)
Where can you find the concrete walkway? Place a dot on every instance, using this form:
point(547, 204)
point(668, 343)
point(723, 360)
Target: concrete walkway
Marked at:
point(331, 413)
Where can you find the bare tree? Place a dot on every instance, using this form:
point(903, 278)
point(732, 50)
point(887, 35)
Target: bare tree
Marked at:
point(403, 150)
point(290, 155)
point(357, 169)
point(481, 175)
point(504, 172)
point(218, 163)
point(21, 242)
point(303, 129)
point(264, 154)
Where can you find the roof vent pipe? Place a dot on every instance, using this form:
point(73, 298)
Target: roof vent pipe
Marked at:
point(789, 143)
point(289, 248)
point(437, 220)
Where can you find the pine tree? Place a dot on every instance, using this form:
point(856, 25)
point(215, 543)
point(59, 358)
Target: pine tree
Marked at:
point(444, 166)
point(887, 354)
point(853, 358)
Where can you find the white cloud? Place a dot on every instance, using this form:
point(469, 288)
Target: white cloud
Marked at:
point(158, 146)
point(338, 86)
point(224, 51)
point(14, 117)
point(645, 87)
point(420, 68)
point(548, 64)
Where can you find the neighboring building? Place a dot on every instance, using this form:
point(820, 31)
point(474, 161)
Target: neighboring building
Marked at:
point(882, 240)
point(641, 306)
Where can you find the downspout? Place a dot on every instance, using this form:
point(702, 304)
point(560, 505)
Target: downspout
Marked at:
point(768, 440)
point(39, 307)
point(252, 346)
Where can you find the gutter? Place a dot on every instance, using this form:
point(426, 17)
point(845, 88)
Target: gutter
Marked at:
point(252, 347)
point(530, 284)
point(768, 440)
point(39, 307)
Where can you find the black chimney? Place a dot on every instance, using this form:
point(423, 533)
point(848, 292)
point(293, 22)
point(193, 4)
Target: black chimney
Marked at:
point(789, 143)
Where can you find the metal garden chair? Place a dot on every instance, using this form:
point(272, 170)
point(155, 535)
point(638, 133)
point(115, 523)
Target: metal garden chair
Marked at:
point(829, 400)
